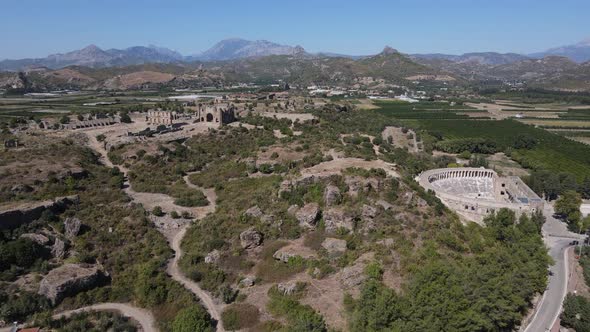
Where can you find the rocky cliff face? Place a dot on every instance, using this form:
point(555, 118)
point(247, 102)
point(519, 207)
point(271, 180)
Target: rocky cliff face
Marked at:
point(69, 279)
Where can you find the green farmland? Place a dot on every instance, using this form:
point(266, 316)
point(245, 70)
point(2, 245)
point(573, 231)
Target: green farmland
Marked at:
point(551, 151)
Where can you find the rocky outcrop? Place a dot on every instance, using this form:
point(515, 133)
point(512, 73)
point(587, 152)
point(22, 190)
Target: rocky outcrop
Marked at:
point(58, 250)
point(334, 247)
point(68, 280)
point(283, 256)
point(287, 288)
point(358, 184)
point(254, 212)
point(250, 238)
point(332, 195)
point(308, 215)
point(37, 238)
point(248, 281)
point(25, 213)
point(336, 218)
point(368, 212)
point(352, 276)
point(213, 257)
point(72, 226)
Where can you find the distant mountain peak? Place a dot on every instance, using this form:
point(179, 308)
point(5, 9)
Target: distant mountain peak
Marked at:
point(389, 50)
point(585, 42)
point(91, 48)
point(237, 48)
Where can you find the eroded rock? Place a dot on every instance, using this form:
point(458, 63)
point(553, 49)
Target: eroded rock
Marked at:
point(334, 247)
point(254, 212)
point(332, 195)
point(213, 257)
point(369, 212)
point(287, 288)
point(250, 238)
point(248, 281)
point(337, 218)
point(72, 227)
point(58, 249)
point(308, 215)
point(352, 276)
point(37, 238)
point(68, 280)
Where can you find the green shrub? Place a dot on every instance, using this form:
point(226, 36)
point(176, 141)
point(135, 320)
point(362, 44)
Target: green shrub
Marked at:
point(157, 211)
point(192, 319)
point(239, 316)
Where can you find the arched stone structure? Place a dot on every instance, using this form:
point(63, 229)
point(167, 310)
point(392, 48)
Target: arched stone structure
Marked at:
point(476, 192)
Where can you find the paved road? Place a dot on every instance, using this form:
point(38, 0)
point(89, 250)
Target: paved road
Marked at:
point(143, 317)
point(557, 238)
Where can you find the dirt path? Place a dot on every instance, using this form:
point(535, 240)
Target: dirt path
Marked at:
point(174, 271)
point(149, 201)
point(173, 268)
point(143, 317)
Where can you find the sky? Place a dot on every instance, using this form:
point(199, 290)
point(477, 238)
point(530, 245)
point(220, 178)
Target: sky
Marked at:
point(36, 28)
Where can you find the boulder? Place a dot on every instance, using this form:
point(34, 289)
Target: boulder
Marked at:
point(352, 276)
point(283, 256)
point(68, 280)
point(332, 195)
point(335, 247)
point(250, 238)
point(213, 257)
point(72, 227)
point(287, 288)
point(37, 238)
point(58, 250)
point(248, 281)
point(254, 212)
point(336, 218)
point(308, 215)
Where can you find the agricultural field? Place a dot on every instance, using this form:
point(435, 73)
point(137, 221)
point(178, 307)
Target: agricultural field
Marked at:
point(75, 103)
point(550, 151)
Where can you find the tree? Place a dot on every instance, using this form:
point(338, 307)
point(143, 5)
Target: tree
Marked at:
point(64, 119)
point(585, 188)
point(568, 206)
point(576, 313)
point(125, 118)
point(192, 319)
point(157, 211)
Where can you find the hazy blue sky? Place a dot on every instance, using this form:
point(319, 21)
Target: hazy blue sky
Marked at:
point(37, 28)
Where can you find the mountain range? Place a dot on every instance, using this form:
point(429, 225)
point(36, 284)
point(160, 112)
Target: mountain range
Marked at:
point(235, 49)
point(236, 61)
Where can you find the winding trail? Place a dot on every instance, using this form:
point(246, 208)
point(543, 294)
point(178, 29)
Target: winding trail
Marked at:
point(150, 200)
point(142, 316)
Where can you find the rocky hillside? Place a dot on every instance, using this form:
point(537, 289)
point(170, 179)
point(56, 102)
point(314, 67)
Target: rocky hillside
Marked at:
point(236, 48)
point(95, 57)
point(389, 66)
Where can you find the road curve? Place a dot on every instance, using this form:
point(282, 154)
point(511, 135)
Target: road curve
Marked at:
point(142, 316)
point(557, 239)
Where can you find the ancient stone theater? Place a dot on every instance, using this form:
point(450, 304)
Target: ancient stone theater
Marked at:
point(476, 192)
